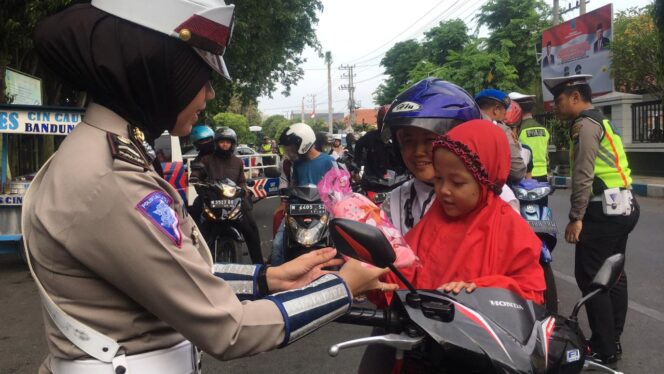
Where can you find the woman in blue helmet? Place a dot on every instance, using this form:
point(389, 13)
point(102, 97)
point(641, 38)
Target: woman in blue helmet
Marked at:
point(202, 137)
point(417, 116)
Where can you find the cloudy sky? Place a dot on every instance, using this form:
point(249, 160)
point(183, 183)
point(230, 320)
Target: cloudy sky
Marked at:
point(359, 32)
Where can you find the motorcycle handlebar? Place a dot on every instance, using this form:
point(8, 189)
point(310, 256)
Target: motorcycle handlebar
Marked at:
point(370, 317)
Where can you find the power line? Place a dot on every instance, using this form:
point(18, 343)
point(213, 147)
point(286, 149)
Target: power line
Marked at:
point(399, 34)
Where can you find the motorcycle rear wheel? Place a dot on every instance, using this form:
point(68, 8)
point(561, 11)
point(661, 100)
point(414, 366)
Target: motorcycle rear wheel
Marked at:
point(225, 251)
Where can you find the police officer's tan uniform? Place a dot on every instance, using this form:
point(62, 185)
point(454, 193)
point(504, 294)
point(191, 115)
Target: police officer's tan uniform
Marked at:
point(106, 264)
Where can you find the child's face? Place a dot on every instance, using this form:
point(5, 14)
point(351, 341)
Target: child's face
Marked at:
point(456, 189)
point(416, 147)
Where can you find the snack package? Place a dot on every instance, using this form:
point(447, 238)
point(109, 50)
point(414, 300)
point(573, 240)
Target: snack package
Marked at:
point(340, 200)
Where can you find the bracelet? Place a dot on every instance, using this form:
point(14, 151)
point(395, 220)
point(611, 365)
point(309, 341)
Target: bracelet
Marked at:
point(263, 289)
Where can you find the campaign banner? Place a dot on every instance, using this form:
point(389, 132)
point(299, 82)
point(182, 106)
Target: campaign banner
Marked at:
point(579, 46)
point(42, 122)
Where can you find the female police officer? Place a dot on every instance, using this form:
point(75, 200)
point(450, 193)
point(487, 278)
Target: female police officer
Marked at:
point(126, 280)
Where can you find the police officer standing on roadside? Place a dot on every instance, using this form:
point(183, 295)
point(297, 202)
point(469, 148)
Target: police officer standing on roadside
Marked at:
point(534, 135)
point(126, 281)
point(603, 211)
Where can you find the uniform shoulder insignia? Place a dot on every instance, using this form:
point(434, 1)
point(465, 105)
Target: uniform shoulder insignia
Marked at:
point(156, 207)
point(123, 149)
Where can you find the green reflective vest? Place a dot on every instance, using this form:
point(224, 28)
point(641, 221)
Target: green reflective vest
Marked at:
point(611, 166)
point(536, 137)
point(266, 148)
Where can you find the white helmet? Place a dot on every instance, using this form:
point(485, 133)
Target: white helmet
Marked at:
point(206, 25)
point(300, 135)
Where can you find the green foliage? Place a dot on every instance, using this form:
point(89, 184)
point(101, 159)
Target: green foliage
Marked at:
point(274, 125)
point(520, 22)
point(398, 62)
point(637, 52)
point(266, 48)
point(238, 123)
point(18, 19)
point(470, 68)
point(447, 36)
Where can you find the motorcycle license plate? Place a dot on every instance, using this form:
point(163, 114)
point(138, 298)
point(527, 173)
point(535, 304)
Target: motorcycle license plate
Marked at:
point(306, 209)
point(548, 226)
point(218, 204)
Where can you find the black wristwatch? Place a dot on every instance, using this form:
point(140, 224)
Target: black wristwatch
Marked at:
point(263, 289)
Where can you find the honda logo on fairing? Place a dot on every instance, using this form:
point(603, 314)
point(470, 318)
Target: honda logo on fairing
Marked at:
point(406, 106)
point(506, 304)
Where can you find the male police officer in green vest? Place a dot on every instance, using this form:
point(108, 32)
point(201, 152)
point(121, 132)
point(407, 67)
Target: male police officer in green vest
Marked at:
point(534, 136)
point(603, 210)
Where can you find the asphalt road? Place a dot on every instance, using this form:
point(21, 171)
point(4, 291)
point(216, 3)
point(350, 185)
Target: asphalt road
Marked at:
point(23, 347)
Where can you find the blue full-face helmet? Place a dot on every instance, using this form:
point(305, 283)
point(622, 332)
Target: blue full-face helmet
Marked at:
point(431, 104)
point(201, 132)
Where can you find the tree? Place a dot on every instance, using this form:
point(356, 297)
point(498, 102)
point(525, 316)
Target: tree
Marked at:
point(236, 122)
point(637, 53)
point(274, 125)
point(398, 62)
point(18, 21)
point(520, 22)
point(265, 49)
point(473, 68)
point(447, 36)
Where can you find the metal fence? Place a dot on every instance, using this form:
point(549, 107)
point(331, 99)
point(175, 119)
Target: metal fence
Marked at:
point(648, 122)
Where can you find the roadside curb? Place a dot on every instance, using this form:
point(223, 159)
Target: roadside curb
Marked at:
point(641, 189)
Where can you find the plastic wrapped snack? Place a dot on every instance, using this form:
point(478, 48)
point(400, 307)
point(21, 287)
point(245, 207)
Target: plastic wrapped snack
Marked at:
point(340, 200)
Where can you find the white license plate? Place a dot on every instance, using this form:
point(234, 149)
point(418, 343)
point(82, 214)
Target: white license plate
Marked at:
point(306, 209)
point(217, 204)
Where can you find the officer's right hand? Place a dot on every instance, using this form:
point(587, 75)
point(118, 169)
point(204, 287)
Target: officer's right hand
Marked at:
point(360, 278)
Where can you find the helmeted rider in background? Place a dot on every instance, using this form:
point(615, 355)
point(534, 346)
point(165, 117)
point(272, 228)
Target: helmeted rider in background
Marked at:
point(417, 116)
point(375, 154)
point(202, 136)
point(309, 165)
point(222, 163)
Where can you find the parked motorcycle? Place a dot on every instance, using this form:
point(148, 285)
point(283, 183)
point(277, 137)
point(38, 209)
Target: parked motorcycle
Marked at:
point(306, 222)
point(222, 205)
point(533, 198)
point(490, 330)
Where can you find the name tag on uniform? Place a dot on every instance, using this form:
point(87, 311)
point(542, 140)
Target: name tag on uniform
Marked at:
point(156, 207)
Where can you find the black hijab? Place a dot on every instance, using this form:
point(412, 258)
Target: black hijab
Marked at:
point(142, 75)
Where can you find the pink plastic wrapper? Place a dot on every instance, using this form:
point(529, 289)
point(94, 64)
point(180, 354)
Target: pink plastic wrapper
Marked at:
point(340, 200)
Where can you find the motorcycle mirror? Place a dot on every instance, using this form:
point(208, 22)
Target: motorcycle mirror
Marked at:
point(606, 277)
point(609, 273)
point(367, 244)
point(362, 242)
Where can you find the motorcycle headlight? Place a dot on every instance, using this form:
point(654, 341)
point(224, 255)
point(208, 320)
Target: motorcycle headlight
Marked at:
point(228, 191)
point(311, 236)
point(236, 211)
point(521, 193)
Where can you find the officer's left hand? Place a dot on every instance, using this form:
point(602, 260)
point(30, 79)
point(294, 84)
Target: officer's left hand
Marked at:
point(573, 231)
point(302, 270)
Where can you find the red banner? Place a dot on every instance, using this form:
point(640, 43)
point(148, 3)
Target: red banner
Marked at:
point(579, 46)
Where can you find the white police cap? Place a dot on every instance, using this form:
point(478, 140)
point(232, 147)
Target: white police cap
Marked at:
point(206, 25)
point(518, 96)
point(558, 84)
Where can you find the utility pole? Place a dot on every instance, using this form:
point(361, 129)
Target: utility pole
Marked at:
point(313, 111)
point(582, 7)
point(580, 4)
point(351, 90)
point(556, 12)
point(328, 60)
point(302, 110)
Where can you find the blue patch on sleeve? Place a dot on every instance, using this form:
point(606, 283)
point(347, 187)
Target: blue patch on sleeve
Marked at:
point(157, 208)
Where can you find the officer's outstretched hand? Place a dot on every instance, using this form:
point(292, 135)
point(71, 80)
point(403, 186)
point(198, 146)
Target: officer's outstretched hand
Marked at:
point(301, 271)
point(361, 279)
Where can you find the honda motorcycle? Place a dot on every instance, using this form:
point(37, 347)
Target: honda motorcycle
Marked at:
point(490, 330)
point(306, 222)
point(533, 199)
point(222, 206)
